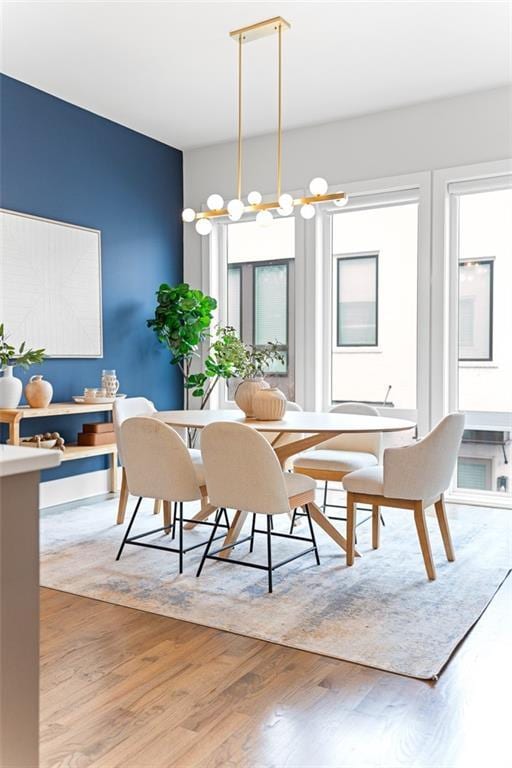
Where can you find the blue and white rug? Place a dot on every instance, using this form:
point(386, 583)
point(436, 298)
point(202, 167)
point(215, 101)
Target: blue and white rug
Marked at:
point(382, 612)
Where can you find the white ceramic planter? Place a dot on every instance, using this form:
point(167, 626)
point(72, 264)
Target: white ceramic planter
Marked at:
point(245, 392)
point(269, 404)
point(10, 389)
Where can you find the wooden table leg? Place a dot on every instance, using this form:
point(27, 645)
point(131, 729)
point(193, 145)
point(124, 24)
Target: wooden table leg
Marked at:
point(206, 510)
point(234, 531)
point(113, 471)
point(123, 499)
point(328, 527)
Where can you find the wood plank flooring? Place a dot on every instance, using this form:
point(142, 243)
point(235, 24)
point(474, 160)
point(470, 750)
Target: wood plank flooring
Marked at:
point(126, 689)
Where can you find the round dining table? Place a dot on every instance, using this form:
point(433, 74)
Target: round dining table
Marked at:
point(311, 428)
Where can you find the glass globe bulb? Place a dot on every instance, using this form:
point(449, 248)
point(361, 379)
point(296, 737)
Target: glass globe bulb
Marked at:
point(254, 198)
point(318, 186)
point(203, 226)
point(264, 218)
point(307, 211)
point(188, 215)
point(341, 202)
point(285, 211)
point(234, 216)
point(235, 207)
point(285, 201)
point(215, 202)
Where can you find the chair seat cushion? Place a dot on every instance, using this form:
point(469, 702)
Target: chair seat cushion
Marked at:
point(369, 480)
point(197, 461)
point(336, 461)
point(296, 484)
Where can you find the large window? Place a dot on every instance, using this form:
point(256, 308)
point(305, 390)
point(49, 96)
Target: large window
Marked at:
point(482, 253)
point(357, 301)
point(475, 310)
point(374, 303)
point(260, 292)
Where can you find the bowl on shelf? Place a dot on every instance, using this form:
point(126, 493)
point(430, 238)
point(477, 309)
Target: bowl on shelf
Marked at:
point(28, 442)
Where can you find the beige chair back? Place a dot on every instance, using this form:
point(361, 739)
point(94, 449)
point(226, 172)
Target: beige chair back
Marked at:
point(157, 462)
point(242, 471)
point(126, 408)
point(424, 470)
point(367, 442)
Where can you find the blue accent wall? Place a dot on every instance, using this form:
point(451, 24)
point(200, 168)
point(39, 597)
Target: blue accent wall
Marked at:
point(62, 162)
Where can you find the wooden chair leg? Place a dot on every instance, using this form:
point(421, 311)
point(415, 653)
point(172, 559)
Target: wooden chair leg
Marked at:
point(375, 527)
point(167, 515)
point(123, 499)
point(351, 529)
point(157, 506)
point(445, 529)
point(421, 527)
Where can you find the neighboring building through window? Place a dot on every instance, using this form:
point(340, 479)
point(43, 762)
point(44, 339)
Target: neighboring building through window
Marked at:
point(357, 301)
point(474, 473)
point(374, 303)
point(475, 310)
point(260, 292)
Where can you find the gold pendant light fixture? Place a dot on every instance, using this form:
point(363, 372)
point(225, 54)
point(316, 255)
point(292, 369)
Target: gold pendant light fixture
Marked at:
point(285, 203)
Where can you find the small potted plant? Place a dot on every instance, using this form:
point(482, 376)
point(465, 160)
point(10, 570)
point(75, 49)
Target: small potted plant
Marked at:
point(251, 370)
point(10, 386)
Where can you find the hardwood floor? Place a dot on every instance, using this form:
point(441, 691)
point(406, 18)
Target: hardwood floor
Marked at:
point(123, 688)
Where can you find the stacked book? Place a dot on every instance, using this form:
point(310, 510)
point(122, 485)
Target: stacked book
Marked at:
point(101, 433)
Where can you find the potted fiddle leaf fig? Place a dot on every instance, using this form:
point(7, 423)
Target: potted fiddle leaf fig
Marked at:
point(11, 386)
point(182, 322)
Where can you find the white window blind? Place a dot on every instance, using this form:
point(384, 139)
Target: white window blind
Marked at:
point(270, 304)
point(357, 301)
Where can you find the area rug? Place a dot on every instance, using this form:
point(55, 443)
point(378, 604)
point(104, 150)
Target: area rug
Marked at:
point(381, 613)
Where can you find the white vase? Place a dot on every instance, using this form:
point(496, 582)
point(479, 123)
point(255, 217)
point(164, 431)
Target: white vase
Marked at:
point(245, 393)
point(10, 388)
point(269, 404)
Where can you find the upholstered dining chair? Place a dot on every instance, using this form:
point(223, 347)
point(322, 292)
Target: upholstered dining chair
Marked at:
point(127, 408)
point(158, 465)
point(413, 477)
point(242, 471)
point(331, 460)
point(124, 409)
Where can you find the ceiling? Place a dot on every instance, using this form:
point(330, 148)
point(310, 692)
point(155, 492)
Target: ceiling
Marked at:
point(168, 69)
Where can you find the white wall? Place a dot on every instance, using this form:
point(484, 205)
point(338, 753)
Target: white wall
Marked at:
point(466, 129)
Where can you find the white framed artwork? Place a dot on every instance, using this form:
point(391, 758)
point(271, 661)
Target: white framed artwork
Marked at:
point(50, 285)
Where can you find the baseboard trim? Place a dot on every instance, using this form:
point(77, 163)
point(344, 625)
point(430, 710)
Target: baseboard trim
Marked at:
point(74, 488)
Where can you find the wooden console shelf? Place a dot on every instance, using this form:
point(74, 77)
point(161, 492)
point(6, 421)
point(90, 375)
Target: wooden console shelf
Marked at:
point(13, 417)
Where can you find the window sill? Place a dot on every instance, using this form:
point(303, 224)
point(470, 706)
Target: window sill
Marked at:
point(476, 364)
point(357, 351)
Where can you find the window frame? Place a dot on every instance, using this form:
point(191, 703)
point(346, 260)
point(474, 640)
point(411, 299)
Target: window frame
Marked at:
point(238, 268)
point(489, 359)
point(447, 186)
point(353, 257)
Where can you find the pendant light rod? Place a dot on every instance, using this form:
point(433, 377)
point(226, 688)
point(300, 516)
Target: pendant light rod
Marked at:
point(279, 107)
point(239, 163)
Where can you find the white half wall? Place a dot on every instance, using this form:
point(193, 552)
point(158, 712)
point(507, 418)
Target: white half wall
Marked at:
point(461, 130)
